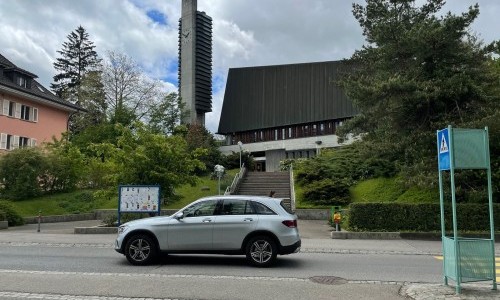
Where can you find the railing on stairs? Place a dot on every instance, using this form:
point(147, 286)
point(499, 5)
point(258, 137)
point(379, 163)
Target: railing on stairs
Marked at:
point(236, 181)
point(292, 189)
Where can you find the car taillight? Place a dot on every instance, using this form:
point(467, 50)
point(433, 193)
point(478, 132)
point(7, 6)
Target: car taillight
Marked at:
point(290, 223)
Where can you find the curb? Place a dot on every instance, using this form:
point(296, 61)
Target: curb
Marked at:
point(96, 230)
point(344, 235)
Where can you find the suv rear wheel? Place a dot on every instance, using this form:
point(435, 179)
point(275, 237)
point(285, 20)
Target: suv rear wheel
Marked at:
point(261, 251)
point(140, 250)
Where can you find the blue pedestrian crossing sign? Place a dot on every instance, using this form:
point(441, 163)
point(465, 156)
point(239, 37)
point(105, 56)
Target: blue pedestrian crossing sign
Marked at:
point(443, 140)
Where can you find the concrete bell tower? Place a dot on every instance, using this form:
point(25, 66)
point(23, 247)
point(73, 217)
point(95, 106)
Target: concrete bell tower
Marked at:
point(195, 62)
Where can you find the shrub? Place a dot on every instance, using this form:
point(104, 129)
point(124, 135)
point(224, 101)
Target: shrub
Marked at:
point(10, 214)
point(419, 217)
point(327, 192)
point(20, 170)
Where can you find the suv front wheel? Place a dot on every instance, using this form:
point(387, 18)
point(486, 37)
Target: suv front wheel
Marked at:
point(140, 250)
point(261, 251)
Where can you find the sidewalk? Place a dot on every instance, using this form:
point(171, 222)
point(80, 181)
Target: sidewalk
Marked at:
point(315, 239)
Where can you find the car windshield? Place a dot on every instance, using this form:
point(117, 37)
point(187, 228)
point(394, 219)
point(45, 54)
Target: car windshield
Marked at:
point(204, 208)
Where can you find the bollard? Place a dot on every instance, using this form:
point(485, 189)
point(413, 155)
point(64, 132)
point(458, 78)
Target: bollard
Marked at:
point(39, 219)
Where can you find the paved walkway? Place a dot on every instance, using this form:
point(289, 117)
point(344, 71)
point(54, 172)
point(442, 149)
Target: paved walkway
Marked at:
point(315, 239)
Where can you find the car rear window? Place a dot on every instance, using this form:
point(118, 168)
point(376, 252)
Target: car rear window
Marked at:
point(261, 209)
point(286, 206)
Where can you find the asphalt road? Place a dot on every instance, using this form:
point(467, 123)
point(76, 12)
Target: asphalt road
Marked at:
point(372, 267)
point(56, 264)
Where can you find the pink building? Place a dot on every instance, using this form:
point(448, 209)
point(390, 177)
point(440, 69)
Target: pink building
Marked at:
point(29, 113)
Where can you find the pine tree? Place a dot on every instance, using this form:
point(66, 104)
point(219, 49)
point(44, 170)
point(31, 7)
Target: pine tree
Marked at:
point(78, 58)
point(420, 70)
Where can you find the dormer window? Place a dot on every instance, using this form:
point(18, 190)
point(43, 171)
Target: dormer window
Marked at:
point(21, 81)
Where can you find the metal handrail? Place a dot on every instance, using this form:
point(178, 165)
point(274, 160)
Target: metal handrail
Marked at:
point(292, 189)
point(236, 181)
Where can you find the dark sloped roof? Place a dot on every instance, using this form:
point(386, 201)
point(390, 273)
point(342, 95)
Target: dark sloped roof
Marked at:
point(35, 89)
point(283, 95)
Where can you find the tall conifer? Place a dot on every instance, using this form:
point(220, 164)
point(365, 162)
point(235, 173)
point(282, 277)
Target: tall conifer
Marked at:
point(78, 58)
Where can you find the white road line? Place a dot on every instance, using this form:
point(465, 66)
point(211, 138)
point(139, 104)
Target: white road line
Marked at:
point(17, 295)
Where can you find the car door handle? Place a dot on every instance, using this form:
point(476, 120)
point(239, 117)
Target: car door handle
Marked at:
point(247, 220)
point(207, 220)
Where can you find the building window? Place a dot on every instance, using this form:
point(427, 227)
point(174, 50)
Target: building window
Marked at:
point(25, 112)
point(10, 142)
point(20, 111)
point(12, 108)
point(21, 81)
point(24, 142)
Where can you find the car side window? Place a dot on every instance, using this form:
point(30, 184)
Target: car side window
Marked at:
point(234, 207)
point(201, 209)
point(261, 209)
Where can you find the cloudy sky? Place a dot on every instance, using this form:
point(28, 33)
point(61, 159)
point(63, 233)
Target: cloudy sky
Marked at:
point(245, 33)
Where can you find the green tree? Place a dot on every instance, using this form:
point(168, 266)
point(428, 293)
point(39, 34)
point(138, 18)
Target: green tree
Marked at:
point(79, 80)
point(78, 57)
point(202, 143)
point(92, 99)
point(144, 157)
point(164, 117)
point(418, 72)
point(130, 94)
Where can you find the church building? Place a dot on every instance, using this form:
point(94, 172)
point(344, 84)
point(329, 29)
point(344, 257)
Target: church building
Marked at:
point(283, 111)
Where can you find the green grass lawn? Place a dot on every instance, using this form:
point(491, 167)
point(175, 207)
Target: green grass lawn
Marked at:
point(89, 200)
point(391, 190)
point(372, 190)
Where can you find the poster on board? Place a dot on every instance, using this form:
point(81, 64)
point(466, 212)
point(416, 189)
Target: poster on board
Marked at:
point(136, 198)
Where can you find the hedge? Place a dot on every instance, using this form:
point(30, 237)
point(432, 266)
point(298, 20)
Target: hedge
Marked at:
point(419, 217)
point(10, 214)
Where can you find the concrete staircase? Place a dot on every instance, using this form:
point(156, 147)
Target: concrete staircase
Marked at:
point(262, 183)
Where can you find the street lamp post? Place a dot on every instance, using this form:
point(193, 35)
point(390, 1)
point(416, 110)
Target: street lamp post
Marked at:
point(240, 144)
point(219, 170)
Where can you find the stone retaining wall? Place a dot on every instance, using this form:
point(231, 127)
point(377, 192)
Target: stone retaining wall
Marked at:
point(4, 224)
point(313, 214)
point(61, 218)
point(101, 214)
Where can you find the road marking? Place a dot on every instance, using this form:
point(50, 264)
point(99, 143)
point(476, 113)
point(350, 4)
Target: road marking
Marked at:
point(497, 266)
point(175, 276)
point(17, 295)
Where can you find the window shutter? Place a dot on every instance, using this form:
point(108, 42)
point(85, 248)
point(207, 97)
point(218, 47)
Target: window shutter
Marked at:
point(3, 141)
point(33, 143)
point(18, 111)
point(34, 114)
point(6, 104)
point(14, 142)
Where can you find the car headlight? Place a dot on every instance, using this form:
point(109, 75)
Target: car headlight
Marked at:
point(122, 229)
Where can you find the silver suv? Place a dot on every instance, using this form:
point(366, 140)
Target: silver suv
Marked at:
point(258, 227)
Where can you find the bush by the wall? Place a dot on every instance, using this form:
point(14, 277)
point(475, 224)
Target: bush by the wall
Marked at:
point(19, 173)
point(327, 192)
point(10, 214)
point(419, 217)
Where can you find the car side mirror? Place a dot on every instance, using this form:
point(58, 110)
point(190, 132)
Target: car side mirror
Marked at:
point(179, 215)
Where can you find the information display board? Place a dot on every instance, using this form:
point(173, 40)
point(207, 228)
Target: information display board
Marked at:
point(138, 199)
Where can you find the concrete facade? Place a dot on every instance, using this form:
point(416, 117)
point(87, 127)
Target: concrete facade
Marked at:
point(195, 62)
point(276, 151)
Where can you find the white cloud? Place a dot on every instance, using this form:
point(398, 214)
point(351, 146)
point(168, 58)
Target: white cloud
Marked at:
point(245, 33)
